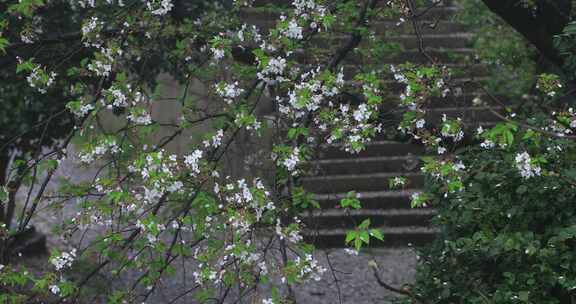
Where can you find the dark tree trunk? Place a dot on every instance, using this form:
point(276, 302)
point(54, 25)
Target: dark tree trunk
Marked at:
point(538, 25)
point(28, 241)
point(4, 160)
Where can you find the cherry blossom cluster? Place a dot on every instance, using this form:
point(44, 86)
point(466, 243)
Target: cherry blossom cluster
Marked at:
point(361, 124)
point(308, 9)
point(562, 123)
point(421, 84)
point(248, 33)
point(104, 146)
point(292, 30)
point(215, 140)
point(220, 45)
point(159, 7)
point(397, 181)
point(103, 61)
point(487, 143)
point(309, 268)
point(248, 121)
point(91, 32)
point(314, 89)
point(40, 79)
point(291, 232)
point(139, 116)
point(32, 33)
point(242, 196)
point(526, 166)
point(55, 289)
point(80, 107)
point(272, 70)
point(419, 199)
point(317, 93)
point(192, 161)
point(63, 260)
point(213, 269)
point(452, 128)
point(292, 160)
point(448, 172)
point(229, 91)
point(160, 173)
point(151, 229)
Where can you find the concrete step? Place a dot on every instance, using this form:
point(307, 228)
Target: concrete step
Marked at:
point(391, 199)
point(435, 40)
point(269, 13)
point(467, 114)
point(464, 100)
point(471, 126)
point(459, 71)
point(349, 219)
point(386, 27)
point(466, 84)
point(362, 165)
point(358, 182)
point(442, 55)
point(425, 28)
point(288, 3)
point(463, 82)
point(393, 237)
point(407, 41)
point(375, 148)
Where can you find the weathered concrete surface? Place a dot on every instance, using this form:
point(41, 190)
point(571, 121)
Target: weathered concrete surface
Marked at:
point(356, 279)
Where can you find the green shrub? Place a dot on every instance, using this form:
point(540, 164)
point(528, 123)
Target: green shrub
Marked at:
point(505, 238)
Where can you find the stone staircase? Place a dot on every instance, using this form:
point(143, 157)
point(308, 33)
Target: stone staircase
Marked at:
point(368, 172)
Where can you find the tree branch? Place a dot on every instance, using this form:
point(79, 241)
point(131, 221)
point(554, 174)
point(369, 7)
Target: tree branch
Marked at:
point(538, 25)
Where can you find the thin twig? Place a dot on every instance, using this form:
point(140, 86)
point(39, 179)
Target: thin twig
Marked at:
point(416, 26)
point(336, 280)
point(524, 125)
point(404, 291)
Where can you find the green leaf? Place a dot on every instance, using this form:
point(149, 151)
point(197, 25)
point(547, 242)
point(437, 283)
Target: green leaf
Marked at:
point(570, 29)
point(350, 235)
point(293, 133)
point(357, 243)
point(3, 45)
point(375, 233)
point(365, 237)
point(3, 195)
point(524, 296)
point(25, 66)
point(365, 224)
point(350, 202)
